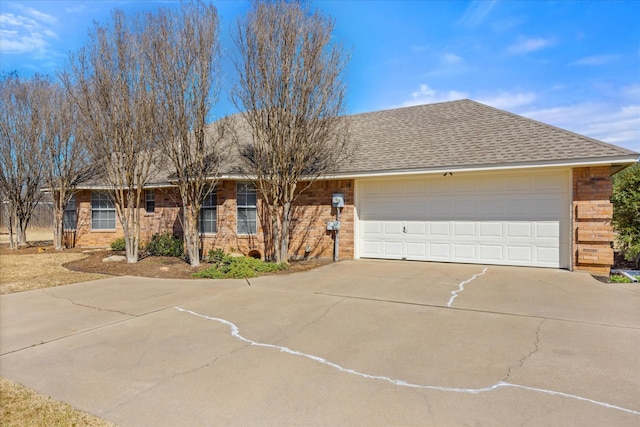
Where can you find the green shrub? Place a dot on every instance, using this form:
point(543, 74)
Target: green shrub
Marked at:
point(619, 278)
point(118, 244)
point(165, 244)
point(216, 255)
point(228, 267)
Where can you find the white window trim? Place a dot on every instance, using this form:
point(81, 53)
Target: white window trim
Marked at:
point(103, 209)
point(238, 206)
point(74, 210)
point(214, 207)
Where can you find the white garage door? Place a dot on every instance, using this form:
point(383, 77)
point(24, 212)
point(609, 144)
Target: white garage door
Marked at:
point(499, 218)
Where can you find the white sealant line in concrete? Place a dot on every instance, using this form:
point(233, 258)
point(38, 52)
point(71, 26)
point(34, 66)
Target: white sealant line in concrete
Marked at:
point(235, 332)
point(455, 293)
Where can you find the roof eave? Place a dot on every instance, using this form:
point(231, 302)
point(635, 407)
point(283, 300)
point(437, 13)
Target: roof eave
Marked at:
point(622, 161)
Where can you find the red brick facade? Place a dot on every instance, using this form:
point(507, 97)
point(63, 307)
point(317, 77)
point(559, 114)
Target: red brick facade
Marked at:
point(592, 212)
point(311, 213)
point(591, 243)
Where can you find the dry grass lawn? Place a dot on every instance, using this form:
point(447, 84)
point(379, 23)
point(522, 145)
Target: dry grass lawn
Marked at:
point(24, 407)
point(33, 235)
point(22, 272)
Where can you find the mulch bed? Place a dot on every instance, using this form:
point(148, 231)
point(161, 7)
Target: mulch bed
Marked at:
point(150, 266)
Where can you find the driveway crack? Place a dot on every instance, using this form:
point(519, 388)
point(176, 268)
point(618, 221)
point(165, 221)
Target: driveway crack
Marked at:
point(536, 347)
point(313, 322)
point(88, 306)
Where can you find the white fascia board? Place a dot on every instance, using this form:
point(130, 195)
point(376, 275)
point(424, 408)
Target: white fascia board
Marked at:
point(629, 160)
point(111, 187)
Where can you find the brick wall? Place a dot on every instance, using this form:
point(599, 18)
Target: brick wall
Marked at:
point(311, 212)
point(164, 217)
point(592, 213)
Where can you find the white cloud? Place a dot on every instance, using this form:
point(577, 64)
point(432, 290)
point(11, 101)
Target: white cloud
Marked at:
point(618, 125)
point(42, 17)
point(508, 101)
point(427, 95)
point(526, 45)
point(451, 58)
point(595, 60)
point(28, 33)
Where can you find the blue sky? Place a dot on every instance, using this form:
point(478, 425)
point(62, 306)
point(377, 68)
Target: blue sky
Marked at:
point(573, 64)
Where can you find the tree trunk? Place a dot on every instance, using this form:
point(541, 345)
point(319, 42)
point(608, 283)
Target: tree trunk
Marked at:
point(191, 236)
point(12, 224)
point(57, 231)
point(284, 235)
point(275, 236)
point(22, 232)
point(58, 222)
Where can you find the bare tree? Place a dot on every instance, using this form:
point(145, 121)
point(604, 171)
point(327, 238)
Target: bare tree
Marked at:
point(117, 113)
point(291, 93)
point(65, 155)
point(22, 135)
point(183, 54)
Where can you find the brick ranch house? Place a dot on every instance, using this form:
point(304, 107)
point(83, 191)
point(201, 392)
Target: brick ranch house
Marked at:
point(449, 182)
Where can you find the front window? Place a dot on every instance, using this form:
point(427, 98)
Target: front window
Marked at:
point(247, 208)
point(150, 201)
point(70, 217)
point(208, 214)
point(103, 212)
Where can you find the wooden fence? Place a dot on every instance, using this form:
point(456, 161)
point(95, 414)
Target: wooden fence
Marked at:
point(42, 216)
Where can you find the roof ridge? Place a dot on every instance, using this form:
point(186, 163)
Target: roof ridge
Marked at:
point(386, 110)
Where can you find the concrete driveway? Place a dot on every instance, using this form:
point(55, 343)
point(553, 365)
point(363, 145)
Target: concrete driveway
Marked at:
point(353, 343)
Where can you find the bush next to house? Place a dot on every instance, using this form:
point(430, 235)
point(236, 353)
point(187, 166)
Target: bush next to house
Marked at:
point(165, 244)
point(626, 211)
point(229, 267)
point(118, 244)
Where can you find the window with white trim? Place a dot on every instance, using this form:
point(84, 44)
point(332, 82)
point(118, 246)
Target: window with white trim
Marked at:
point(70, 216)
point(150, 201)
point(208, 214)
point(103, 211)
point(247, 210)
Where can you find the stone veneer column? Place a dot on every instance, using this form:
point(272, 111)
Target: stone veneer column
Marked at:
point(592, 214)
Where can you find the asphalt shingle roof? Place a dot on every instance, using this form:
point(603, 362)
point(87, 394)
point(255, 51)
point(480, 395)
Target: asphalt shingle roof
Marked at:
point(462, 134)
point(448, 135)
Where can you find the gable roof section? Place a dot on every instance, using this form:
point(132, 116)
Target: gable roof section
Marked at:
point(465, 135)
point(449, 136)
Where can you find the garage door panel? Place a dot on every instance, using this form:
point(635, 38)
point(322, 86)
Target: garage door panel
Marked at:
point(372, 248)
point(372, 227)
point(519, 254)
point(491, 230)
point(464, 229)
point(414, 228)
point(547, 255)
point(547, 230)
point(417, 251)
point(440, 251)
point(392, 228)
point(439, 228)
point(500, 218)
point(462, 252)
point(393, 249)
point(517, 230)
point(491, 253)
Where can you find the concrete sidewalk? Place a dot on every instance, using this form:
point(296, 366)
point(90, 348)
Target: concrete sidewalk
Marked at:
point(353, 343)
